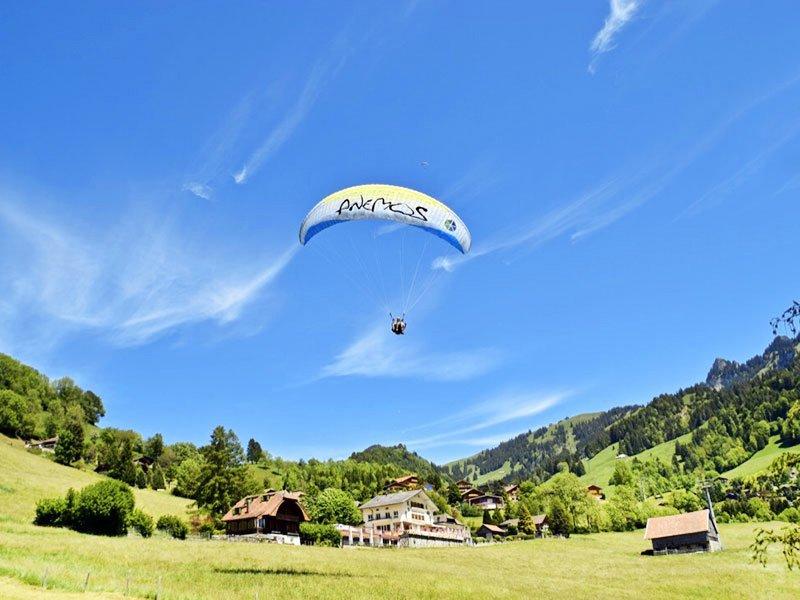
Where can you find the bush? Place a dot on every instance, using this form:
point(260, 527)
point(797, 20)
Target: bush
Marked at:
point(50, 512)
point(320, 535)
point(790, 515)
point(142, 523)
point(173, 525)
point(104, 508)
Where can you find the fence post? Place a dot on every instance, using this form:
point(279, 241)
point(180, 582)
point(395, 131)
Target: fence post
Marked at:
point(44, 578)
point(127, 584)
point(86, 581)
point(158, 591)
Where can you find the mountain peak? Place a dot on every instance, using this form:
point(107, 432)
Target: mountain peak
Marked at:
point(778, 355)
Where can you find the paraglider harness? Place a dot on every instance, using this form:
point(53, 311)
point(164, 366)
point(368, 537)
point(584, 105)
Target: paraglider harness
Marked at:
point(398, 324)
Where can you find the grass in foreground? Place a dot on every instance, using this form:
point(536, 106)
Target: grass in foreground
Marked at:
point(597, 566)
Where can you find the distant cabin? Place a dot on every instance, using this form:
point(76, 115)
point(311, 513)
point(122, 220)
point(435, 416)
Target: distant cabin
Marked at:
point(48, 445)
point(596, 492)
point(276, 515)
point(463, 485)
point(690, 532)
point(145, 462)
point(512, 491)
point(539, 522)
point(487, 501)
point(490, 532)
point(407, 482)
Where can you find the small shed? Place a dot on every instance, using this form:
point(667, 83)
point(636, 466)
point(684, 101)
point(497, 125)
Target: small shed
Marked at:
point(490, 531)
point(596, 492)
point(690, 532)
point(48, 445)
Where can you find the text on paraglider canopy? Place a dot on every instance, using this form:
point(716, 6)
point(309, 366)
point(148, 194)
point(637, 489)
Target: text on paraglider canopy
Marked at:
point(382, 204)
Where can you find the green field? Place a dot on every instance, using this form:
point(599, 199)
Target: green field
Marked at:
point(597, 566)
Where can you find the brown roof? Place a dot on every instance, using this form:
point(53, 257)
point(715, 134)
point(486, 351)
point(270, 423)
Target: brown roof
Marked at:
point(493, 528)
point(538, 519)
point(511, 488)
point(661, 527)
point(262, 505)
point(594, 487)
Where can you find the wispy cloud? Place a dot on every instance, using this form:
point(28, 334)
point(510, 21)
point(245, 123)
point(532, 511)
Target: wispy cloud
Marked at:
point(595, 209)
point(621, 13)
point(216, 154)
point(139, 279)
point(497, 410)
point(321, 74)
point(379, 354)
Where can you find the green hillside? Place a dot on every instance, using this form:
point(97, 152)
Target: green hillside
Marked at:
point(761, 459)
point(26, 478)
point(535, 453)
point(600, 467)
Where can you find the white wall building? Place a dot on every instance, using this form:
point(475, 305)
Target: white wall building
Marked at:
point(413, 519)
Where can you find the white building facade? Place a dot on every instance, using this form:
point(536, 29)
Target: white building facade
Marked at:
point(410, 518)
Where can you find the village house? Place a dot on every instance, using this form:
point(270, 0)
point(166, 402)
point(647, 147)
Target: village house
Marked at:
point(512, 491)
point(145, 462)
point(410, 518)
point(596, 492)
point(271, 515)
point(487, 501)
point(690, 532)
point(48, 445)
point(407, 482)
point(463, 485)
point(489, 532)
point(539, 522)
point(470, 493)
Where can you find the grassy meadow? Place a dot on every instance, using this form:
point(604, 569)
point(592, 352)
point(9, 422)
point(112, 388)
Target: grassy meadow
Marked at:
point(598, 566)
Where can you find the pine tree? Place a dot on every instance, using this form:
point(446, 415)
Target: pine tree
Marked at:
point(123, 467)
point(157, 481)
point(254, 451)
point(526, 525)
point(141, 479)
point(558, 518)
point(223, 476)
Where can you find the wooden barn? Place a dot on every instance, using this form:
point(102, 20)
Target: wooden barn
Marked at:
point(490, 531)
point(268, 513)
point(690, 532)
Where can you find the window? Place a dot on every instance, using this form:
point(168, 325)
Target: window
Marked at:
point(395, 514)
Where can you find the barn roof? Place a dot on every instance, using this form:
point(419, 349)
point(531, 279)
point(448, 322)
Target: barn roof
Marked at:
point(262, 505)
point(493, 528)
point(685, 524)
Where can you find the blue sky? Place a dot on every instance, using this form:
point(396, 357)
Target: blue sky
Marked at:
point(630, 172)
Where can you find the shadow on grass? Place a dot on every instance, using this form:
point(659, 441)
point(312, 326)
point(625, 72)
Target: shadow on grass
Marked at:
point(283, 571)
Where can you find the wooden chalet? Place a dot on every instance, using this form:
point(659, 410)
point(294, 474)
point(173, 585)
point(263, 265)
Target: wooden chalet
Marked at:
point(512, 491)
point(470, 493)
point(596, 492)
point(490, 531)
point(407, 482)
point(690, 532)
point(463, 485)
point(487, 501)
point(270, 512)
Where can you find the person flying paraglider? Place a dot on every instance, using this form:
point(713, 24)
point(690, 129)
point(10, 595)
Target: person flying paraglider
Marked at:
point(398, 325)
point(404, 208)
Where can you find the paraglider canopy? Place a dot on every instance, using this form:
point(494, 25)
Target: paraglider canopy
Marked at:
point(389, 203)
point(406, 210)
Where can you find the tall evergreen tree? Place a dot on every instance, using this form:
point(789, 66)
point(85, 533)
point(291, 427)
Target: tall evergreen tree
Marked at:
point(254, 451)
point(223, 475)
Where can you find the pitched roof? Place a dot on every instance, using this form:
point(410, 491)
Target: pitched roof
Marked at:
point(538, 519)
point(493, 528)
point(661, 527)
point(511, 488)
point(262, 505)
point(385, 499)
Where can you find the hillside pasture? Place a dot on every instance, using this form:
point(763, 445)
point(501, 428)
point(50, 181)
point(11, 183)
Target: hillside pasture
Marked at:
point(761, 459)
